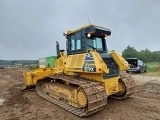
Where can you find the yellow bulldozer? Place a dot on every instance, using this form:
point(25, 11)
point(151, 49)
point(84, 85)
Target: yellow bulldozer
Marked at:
point(85, 76)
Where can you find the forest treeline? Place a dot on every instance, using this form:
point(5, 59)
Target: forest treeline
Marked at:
point(144, 55)
point(13, 62)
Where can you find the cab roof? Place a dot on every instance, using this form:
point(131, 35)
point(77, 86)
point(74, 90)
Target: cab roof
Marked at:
point(87, 26)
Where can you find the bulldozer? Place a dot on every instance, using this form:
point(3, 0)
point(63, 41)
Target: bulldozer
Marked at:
point(85, 75)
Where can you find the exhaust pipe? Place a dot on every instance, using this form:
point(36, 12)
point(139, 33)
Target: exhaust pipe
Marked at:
point(57, 49)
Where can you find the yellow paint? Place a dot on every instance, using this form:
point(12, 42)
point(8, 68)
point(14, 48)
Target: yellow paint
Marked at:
point(111, 85)
point(32, 77)
point(78, 60)
point(81, 98)
point(74, 96)
point(122, 63)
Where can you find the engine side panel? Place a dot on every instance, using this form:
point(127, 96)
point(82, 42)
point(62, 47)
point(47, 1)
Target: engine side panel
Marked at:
point(85, 63)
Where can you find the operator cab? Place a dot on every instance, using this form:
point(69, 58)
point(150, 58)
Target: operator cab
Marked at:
point(92, 37)
point(87, 37)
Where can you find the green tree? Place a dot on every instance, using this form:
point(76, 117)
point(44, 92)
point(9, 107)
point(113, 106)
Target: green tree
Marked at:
point(148, 55)
point(145, 55)
point(156, 56)
point(130, 52)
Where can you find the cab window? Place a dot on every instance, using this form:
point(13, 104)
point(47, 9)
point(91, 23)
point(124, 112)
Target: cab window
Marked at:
point(76, 41)
point(73, 42)
point(96, 43)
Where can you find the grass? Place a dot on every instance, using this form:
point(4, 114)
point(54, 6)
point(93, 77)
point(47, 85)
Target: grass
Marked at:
point(153, 67)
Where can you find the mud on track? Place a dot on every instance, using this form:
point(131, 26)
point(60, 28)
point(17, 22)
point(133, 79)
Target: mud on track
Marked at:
point(144, 104)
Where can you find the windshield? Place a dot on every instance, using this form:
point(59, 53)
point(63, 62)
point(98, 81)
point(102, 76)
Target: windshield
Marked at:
point(95, 43)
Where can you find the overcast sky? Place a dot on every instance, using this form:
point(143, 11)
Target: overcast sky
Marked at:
point(29, 28)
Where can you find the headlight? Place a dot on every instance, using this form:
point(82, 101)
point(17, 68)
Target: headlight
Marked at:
point(88, 35)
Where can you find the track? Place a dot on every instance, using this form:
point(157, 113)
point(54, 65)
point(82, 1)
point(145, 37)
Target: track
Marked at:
point(95, 92)
point(130, 86)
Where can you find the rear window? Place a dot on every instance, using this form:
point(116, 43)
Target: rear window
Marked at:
point(133, 62)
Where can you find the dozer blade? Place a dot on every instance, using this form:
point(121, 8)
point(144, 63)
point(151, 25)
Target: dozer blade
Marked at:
point(32, 77)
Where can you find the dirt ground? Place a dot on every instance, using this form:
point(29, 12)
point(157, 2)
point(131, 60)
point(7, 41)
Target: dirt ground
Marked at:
point(144, 104)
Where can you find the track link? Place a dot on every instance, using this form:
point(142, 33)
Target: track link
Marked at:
point(130, 86)
point(95, 92)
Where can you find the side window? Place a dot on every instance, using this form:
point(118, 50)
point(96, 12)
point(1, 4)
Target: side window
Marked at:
point(76, 42)
point(73, 42)
point(140, 62)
